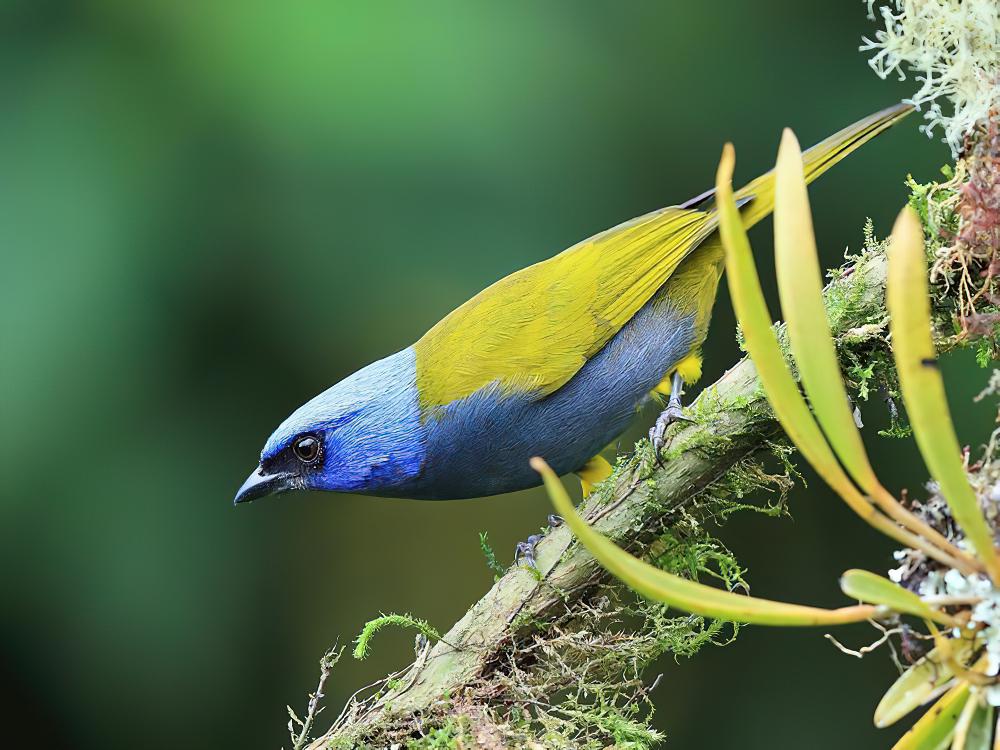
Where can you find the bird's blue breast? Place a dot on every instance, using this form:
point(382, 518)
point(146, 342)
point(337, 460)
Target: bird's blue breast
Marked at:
point(481, 445)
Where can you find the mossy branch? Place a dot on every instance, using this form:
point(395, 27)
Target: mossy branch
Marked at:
point(469, 669)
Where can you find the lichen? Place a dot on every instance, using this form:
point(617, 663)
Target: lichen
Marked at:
point(929, 578)
point(953, 46)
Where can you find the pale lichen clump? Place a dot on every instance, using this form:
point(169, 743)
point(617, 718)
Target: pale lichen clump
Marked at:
point(985, 614)
point(954, 48)
point(974, 591)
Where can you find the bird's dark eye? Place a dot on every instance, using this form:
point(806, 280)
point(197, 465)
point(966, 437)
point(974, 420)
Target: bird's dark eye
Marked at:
point(306, 449)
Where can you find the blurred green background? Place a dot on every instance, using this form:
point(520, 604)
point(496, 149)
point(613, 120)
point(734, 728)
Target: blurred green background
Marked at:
point(209, 212)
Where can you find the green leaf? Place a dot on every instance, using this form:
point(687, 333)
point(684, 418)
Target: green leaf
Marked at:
point(762, 345)
point(963, 727)
point(918, 683)
point(874, 589)
point(800, 287)
point(936, 727)
point(980, 729)
point(908, 300)
point(689, 596)
point(782, 391)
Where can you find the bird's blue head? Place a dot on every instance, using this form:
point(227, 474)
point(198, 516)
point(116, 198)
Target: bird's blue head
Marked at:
point(362, 435)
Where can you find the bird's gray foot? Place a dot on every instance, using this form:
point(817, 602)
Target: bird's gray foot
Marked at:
point(668, 416)
point(525, 551)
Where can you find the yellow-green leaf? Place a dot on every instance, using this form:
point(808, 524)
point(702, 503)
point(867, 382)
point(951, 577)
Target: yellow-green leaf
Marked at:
point(782, 391)
point(689, 596)
point(972, 729)
point(936, 727)
point(980, 729)
point(908, 300)
point(761, 343)
point(874, 589)
point(800, 287)
point(918, 683)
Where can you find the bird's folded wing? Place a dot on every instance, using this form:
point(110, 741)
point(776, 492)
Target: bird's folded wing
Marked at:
point(530, 332)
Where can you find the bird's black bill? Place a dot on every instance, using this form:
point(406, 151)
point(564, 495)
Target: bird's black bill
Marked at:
point(261, 484)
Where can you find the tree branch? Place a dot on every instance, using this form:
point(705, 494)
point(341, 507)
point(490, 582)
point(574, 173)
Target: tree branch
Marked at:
point(732, 423)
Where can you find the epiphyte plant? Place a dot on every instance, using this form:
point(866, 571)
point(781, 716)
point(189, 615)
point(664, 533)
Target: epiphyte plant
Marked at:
point(959, 602)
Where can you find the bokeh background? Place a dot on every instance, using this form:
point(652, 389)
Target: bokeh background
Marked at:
point(209, 212)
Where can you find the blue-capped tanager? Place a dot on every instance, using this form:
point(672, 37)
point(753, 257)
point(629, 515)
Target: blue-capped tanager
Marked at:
point(550, 361)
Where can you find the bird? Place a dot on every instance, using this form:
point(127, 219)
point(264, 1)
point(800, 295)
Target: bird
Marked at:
point(553, 360)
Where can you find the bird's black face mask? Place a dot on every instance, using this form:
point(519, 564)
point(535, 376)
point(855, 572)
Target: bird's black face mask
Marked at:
point(285, 471)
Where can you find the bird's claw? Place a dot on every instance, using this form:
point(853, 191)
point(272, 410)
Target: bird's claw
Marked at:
point(524, 552)
point(668, 416)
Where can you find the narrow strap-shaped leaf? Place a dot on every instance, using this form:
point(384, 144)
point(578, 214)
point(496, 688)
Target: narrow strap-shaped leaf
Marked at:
point(684, 594)
point(908, 300)
point(918, 683)
point(782, 391)
point(800, 286)
point(936, 727)
point(974, 726)
point(874, 589)
point(751, 310)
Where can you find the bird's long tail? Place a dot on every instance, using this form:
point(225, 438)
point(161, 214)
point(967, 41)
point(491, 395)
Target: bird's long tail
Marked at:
point(759, 193)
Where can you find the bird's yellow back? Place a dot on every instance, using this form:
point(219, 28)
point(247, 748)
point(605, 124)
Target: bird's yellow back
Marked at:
point(532, 331)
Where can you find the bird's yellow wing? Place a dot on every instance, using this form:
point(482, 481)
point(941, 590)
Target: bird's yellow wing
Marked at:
point(533, 330)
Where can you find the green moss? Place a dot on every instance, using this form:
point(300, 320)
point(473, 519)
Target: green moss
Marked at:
point(701, 439)
point(860, 377)
point(363, 641)
point(688, 550)
point(984, 354)
point(491, 559)
point(627, 727)
point(934, 203)
point(452, 735)
point(964, 292)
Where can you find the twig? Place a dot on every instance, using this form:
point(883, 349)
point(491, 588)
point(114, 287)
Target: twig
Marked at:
point(326, 665)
